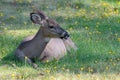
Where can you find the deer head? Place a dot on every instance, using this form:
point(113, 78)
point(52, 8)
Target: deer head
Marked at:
point(49, 27)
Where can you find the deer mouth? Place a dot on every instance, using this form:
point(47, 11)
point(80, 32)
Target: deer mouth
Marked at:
point(64, 35)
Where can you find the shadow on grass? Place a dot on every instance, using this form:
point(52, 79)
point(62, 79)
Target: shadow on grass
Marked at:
point(7, 47)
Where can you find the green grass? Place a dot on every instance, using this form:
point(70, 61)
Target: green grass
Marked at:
point(94, 26)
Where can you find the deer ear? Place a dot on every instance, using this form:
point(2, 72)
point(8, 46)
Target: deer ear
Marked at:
point(42, 15)
point(35, 18)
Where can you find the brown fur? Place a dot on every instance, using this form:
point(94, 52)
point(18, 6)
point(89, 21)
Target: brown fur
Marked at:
point(33, 48)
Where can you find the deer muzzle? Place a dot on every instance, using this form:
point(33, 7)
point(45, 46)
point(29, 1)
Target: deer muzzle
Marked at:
point(64, 35)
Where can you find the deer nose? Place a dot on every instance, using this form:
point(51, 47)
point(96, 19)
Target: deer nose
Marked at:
point(64, 35)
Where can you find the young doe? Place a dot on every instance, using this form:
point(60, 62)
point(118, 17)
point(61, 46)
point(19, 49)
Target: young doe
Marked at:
point(33, 48)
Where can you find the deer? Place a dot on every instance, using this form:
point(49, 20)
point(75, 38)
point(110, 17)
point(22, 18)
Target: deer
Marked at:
point(31, 49)
point(55, 49)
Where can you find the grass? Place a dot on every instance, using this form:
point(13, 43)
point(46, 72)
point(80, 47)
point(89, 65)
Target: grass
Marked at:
point(93, 25)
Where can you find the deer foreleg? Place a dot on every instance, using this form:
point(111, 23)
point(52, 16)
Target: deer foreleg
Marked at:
point(20, 55)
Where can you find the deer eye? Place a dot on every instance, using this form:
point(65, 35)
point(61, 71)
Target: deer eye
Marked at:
point(51, 26)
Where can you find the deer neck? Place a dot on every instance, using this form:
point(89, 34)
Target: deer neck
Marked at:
point(41, 37)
